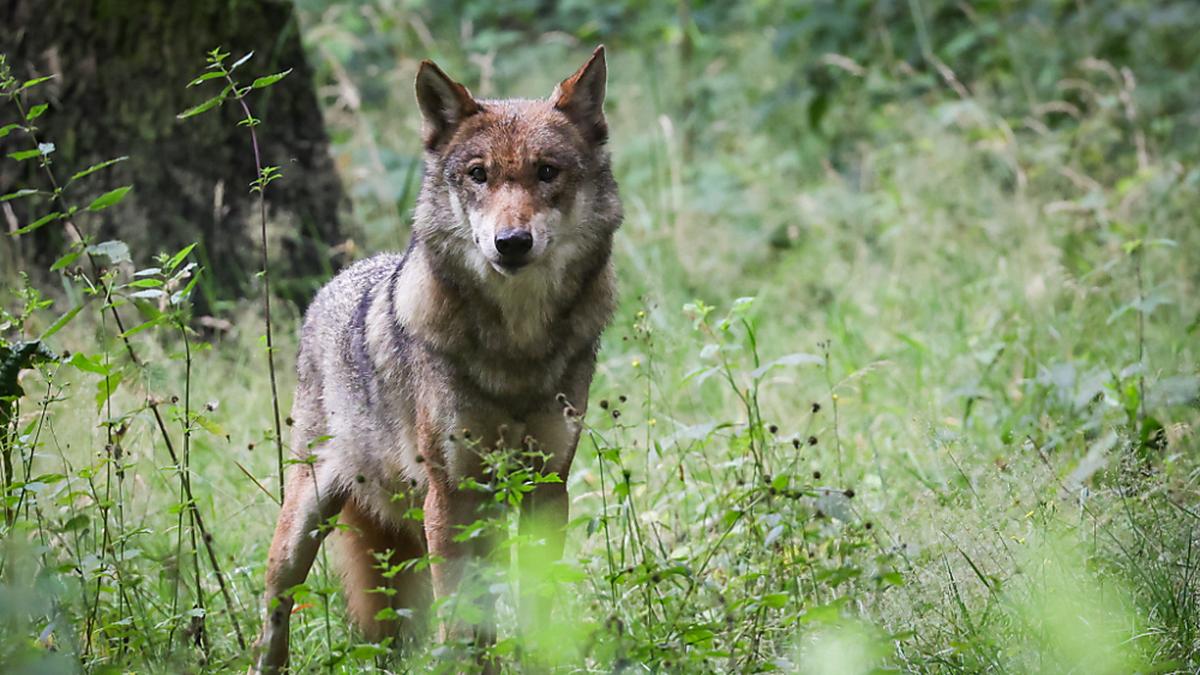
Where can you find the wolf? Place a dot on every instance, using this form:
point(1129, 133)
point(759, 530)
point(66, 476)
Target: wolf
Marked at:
point(482, 334)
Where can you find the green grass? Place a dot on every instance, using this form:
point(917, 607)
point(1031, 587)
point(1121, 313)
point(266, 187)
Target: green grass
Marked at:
point(955, 464)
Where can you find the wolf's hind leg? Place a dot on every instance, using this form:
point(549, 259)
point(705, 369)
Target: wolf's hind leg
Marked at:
point(311, 498)
point(364, 547)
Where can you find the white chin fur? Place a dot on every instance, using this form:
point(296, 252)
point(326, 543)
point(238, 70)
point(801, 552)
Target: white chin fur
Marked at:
point(505, 271)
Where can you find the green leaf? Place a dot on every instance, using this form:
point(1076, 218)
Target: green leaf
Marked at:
point(64, 261)
point(61, 321)
point(106, 387)
point(23, 192)
point(206, 106)
point(22, 155)
point(49, 217)
point(210, 426)
point(88, 364)
point(94, 168)
point(776, 600)
point(178, 257)
point(9, 128)
point(35, 82)
point(182, 295)
point(210, 75)
point(148, 294)
point(241, 61)
point(109, 198)
point(144, 283)
point(268, 80)
point(36, 111)
point(144, 326)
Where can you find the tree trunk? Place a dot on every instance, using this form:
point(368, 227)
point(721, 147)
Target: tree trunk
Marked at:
point(121, 68)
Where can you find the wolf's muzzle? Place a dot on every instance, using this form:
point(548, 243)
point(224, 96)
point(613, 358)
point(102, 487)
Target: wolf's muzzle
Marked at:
point(513, 245)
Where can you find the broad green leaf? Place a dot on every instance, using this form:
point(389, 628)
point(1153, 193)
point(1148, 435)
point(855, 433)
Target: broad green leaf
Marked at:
point(88, 364)
point(109, 198)
point(776, 600)
point(116, 251)
point(268, 80)
point(8, 129)
point(65, 261)
point(22, 155)
point(106, 387)
point(36, 111)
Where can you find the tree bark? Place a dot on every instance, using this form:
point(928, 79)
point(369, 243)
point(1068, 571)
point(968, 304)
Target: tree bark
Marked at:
point(121, 68)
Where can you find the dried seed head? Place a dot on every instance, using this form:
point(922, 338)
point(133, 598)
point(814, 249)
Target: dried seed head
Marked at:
point(604, 404)
point(816, 475)
point(816, 407)
point(616, 414)
point(289, 421)
point(622, 398)
point(812, 440)
point(849, 492)
point(796, 443)
point(773, 428)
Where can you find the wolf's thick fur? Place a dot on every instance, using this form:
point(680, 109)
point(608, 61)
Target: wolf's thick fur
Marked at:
point(477, 331)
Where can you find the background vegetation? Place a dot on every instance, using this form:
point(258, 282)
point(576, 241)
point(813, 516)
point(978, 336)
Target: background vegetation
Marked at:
point(904, 377)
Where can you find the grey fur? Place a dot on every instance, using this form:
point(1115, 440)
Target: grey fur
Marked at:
point(404, 357)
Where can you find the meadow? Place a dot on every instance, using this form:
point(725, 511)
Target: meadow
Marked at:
point(904, 377)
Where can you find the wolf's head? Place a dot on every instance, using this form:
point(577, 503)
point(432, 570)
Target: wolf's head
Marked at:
point(515, 185)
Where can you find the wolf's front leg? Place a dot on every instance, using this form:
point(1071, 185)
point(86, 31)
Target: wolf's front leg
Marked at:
point(311, 498)
point(448, 511)
point(544, 511)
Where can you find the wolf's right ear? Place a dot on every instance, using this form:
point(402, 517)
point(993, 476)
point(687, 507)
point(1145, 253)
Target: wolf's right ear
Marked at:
point(581, 97)
point(444, 104)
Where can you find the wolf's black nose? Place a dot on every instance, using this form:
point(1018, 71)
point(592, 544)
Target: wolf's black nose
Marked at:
point(513, 244)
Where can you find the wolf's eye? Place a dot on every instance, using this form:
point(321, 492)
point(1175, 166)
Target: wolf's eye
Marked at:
point(478, 174)
point(547, 173)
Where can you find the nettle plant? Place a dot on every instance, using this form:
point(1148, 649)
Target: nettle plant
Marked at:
point(79, 572)
point(66, 533)
point(718, 546)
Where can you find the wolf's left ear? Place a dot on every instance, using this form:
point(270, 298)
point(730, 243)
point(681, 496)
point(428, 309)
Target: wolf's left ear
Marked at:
point(581, 97)
point(444, 104)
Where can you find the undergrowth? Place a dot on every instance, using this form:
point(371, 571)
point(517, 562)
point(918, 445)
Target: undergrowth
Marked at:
point(926, 406)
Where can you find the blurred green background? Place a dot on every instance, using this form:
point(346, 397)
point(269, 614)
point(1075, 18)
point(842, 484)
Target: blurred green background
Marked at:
point(950, 248)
